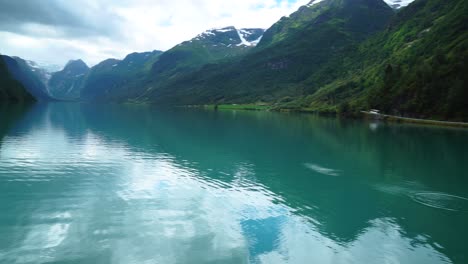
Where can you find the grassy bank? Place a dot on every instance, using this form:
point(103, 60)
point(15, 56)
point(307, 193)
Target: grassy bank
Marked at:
point(328, 112)
point(250, 107)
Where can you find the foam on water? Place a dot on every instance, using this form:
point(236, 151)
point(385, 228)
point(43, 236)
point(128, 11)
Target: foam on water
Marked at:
point(322, 170)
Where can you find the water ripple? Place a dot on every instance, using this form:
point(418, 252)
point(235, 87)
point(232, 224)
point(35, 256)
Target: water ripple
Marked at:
point(441, 201)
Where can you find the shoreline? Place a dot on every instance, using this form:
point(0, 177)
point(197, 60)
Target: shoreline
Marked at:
point(367, 115)
point(400, 119)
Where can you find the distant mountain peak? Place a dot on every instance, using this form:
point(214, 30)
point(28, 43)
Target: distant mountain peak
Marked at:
point(76, 67)
point(76, 62)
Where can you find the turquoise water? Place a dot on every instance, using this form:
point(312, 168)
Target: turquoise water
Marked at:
point(134, 184)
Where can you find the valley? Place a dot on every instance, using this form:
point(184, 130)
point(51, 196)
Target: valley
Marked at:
point(333, 56)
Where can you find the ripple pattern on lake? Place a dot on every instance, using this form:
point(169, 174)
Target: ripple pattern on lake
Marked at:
point(442, 201)
point(419, 194)
point(132, 185)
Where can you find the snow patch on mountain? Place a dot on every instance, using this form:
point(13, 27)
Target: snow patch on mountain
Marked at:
point(398, 3)
point(43, 70)
point(392, 3)
point(245, 36)
point(255, 42)
point(314, 2)
point(47, 67)
point(213, 31)
point(242, 34)
point(223, 30)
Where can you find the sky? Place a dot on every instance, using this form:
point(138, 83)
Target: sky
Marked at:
point(56, 31)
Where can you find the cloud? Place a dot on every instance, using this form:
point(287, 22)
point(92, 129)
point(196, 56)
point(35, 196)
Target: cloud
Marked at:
point(94, 30)
point(59, 18)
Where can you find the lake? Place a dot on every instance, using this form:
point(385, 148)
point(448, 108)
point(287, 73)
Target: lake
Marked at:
point(92, 184)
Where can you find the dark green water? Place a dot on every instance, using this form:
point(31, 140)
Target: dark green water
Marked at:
point(114, 184)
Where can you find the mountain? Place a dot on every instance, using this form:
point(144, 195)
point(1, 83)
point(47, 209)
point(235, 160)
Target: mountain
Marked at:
point(336, 56)
point(418, 64)
point(414, 68)
point(294, 50)
point(343, 56)
point(10, 89)
point(42, 69)
point(33, 79)
point(210, 46)
point(113, 78)
point(47, 66)
point(66, 83)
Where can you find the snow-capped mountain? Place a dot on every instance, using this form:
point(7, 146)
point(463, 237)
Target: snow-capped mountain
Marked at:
point(231, 37)
point(392, 3)
point(43, 73)
point(313, 2)
point(46, 66)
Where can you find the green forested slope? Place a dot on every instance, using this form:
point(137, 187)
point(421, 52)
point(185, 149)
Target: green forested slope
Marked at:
point(416, 67)
point(113, 79)
point(345, 56)
point(426, 74)
point(212, 46)
point(139, 74)
point(290, 53)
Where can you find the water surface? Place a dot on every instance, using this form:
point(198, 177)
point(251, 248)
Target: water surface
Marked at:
point(133, 184)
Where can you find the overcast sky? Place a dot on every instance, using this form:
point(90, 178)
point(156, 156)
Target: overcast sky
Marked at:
point(93, 30)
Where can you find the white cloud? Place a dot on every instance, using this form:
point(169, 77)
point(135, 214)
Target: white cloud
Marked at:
point(124, 26)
